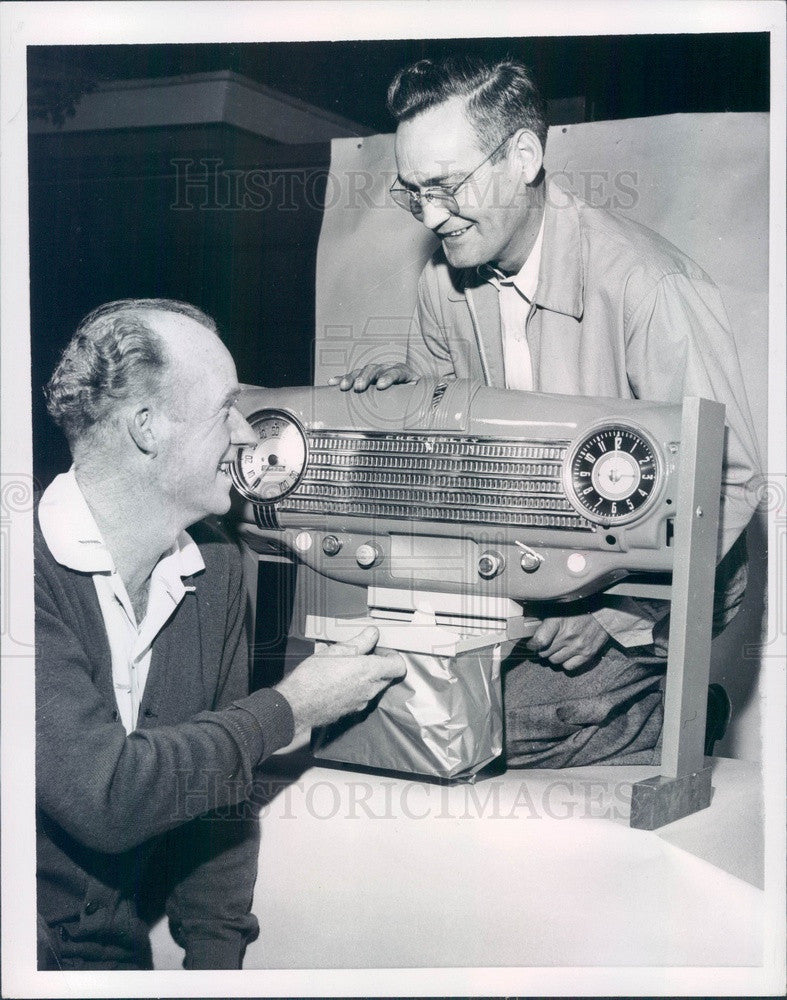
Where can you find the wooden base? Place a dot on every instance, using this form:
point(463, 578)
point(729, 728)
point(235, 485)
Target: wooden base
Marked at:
point(660, 800)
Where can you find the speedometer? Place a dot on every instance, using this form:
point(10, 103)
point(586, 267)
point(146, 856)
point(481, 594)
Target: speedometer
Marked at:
point(270, 469)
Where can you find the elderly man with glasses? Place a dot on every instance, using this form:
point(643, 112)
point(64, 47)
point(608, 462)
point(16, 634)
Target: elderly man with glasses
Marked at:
point(532, 289)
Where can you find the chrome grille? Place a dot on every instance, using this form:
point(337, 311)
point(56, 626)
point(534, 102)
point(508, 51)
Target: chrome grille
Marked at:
point(432, 477)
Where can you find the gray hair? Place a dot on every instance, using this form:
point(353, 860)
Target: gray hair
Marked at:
point(113, 354)
point(500, 97)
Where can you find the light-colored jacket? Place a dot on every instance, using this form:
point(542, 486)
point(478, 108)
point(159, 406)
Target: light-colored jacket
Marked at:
point(618, 311)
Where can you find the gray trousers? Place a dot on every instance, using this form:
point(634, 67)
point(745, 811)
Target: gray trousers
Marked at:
point(609, 711)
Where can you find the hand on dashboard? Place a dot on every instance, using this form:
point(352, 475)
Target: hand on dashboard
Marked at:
point(382, 376)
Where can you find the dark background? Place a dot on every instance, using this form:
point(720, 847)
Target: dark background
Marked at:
point(622, 76)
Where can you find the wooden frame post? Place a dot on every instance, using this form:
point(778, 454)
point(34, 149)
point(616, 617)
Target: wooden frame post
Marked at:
point(683, 787)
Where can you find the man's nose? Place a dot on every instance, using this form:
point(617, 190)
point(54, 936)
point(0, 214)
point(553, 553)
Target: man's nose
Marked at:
point(242, 431)
point(434, 213)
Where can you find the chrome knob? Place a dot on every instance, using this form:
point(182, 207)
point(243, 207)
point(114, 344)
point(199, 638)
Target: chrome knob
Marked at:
point(530, 562)
point(331, 545)
point(367, 555)
point(490, 564)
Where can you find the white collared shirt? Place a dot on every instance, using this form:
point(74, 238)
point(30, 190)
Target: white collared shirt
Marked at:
point(516, 293)
point(73, 538)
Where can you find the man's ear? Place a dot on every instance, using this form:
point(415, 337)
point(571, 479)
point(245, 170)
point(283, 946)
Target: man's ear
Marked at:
point(530, 154)
point(139, 424)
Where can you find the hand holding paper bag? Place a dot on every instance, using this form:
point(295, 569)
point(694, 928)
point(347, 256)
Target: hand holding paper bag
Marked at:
point(339, 680)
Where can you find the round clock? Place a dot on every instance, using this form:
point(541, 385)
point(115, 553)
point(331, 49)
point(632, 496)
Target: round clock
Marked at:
point(612, 475)
point(270, 469)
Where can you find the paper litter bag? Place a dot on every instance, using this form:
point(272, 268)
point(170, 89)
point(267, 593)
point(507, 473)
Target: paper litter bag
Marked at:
point(443, 719)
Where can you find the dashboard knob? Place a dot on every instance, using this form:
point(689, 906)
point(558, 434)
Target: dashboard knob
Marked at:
point(490, 565)
point(331, 545)
point(368, 555)
point(530, 562)
point(303, 541)
point(576, 563)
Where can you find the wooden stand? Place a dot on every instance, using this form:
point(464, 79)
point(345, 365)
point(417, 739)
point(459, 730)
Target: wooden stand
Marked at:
point(683, 787)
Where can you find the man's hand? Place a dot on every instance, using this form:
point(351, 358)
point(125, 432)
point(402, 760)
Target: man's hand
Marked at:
point(569, 642)
point(338, 680)
point(382, 376)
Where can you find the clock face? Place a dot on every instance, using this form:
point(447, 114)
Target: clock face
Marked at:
point(272, 468)
point(612, 474)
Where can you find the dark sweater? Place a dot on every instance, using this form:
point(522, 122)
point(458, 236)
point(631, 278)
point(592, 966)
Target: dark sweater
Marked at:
point(129, 823)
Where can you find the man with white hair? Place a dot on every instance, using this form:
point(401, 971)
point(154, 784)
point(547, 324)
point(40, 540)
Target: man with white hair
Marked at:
point(147, 737)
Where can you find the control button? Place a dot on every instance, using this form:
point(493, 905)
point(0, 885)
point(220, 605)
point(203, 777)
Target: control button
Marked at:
point(490, 565)
point(576, 563)
point(331, 545)
point(530, 562)
point(303, 541)
point(367, 555)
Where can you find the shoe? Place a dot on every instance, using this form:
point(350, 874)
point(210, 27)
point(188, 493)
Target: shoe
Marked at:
point(718, 717)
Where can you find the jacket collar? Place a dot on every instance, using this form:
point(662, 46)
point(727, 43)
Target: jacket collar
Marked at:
point(560, 284)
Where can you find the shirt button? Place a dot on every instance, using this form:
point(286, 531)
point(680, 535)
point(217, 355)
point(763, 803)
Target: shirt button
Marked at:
point(93, 907)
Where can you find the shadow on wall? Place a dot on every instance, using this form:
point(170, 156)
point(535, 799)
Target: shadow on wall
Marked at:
point(740, 653)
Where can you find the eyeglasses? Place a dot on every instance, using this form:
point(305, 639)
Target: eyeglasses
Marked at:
point(413, 201)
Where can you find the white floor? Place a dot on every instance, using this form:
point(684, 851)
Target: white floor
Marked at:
point(529, 869)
